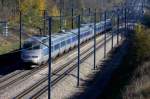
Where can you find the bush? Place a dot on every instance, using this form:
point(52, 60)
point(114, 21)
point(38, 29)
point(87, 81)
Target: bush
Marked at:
point(142, 44)
point(146, 20)
point(138, 86)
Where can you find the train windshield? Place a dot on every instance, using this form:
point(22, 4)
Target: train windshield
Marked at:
point(31, 46)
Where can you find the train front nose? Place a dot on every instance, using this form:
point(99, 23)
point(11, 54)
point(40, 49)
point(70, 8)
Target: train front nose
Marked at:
point(31, 57)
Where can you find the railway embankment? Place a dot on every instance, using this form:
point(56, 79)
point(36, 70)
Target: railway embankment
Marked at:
point(9, 58)
point(9, 62)
point(100, 79)
point(132, 79)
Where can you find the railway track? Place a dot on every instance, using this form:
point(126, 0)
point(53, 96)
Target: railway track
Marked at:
point(62, 71)
point(20, 78)
point(3, 79)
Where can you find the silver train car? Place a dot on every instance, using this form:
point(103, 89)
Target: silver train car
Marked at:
point(36, 49)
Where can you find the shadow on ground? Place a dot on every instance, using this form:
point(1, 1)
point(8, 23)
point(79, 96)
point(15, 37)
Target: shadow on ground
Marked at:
point(10, 62)
point(98, 80)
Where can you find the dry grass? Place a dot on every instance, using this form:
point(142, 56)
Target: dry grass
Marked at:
point(142, 44)
point(132, 79)
point(139, 88)
point(8, 44)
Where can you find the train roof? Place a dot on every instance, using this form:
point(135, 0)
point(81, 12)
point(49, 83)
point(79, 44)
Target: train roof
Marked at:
point(60, 36)
point(39, 38)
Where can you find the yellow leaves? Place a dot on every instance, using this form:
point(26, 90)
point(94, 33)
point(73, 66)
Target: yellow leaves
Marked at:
point(142, 40)
point(138, 28)
point(41, 4)
point(55, 11)
point(27, 5)
point(38, 5)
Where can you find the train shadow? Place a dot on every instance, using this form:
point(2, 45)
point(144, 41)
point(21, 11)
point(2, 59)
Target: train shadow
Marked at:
point(98, 81)
point(10, 62)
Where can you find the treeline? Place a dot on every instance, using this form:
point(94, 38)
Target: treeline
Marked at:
point(7, 8)
point(12, 6)
point(33, 10)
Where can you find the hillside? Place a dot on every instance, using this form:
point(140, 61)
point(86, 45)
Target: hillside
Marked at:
point(132, 79)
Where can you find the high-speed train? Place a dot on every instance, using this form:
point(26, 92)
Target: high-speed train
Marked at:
point(36, 48)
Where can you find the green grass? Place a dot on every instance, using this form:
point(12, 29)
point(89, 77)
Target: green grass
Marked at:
point(8, 47)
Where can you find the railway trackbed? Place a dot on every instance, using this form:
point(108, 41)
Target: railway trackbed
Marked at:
point(3, 79)
point(21, 76)
point(41, 87)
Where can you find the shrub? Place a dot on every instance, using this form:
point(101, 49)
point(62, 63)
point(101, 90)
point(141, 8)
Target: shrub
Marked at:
point(142, 44)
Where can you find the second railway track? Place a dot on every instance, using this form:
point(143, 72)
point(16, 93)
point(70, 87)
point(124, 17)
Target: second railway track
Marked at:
point(62, 71)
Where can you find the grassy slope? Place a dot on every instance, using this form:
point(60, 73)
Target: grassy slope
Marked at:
point(8, 44)
point(132, 79)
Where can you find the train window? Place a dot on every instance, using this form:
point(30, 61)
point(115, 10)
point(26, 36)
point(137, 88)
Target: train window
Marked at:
point(74, 39)
point(31, 46)
point(69, 41)
point(89, 32)
point(56, 47)
point(45, 41)
point(27, 46)
point(36, 47)
point(82, 35)
point(86, 33)
point(63, 43)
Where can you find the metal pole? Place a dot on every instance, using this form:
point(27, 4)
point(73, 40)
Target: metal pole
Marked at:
point(60, 18)
point(122, 22)
point(78, 69)
point(125, 22)
point(127, 15)
point(61, 13)
point(112, 42)
point(90, 13)
point(44, 21)
point(105, 35)
point(49, 71)
point(72, 13)
point(117, 28)
point(100, 16)
point(95, 40)
point(20, 27)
